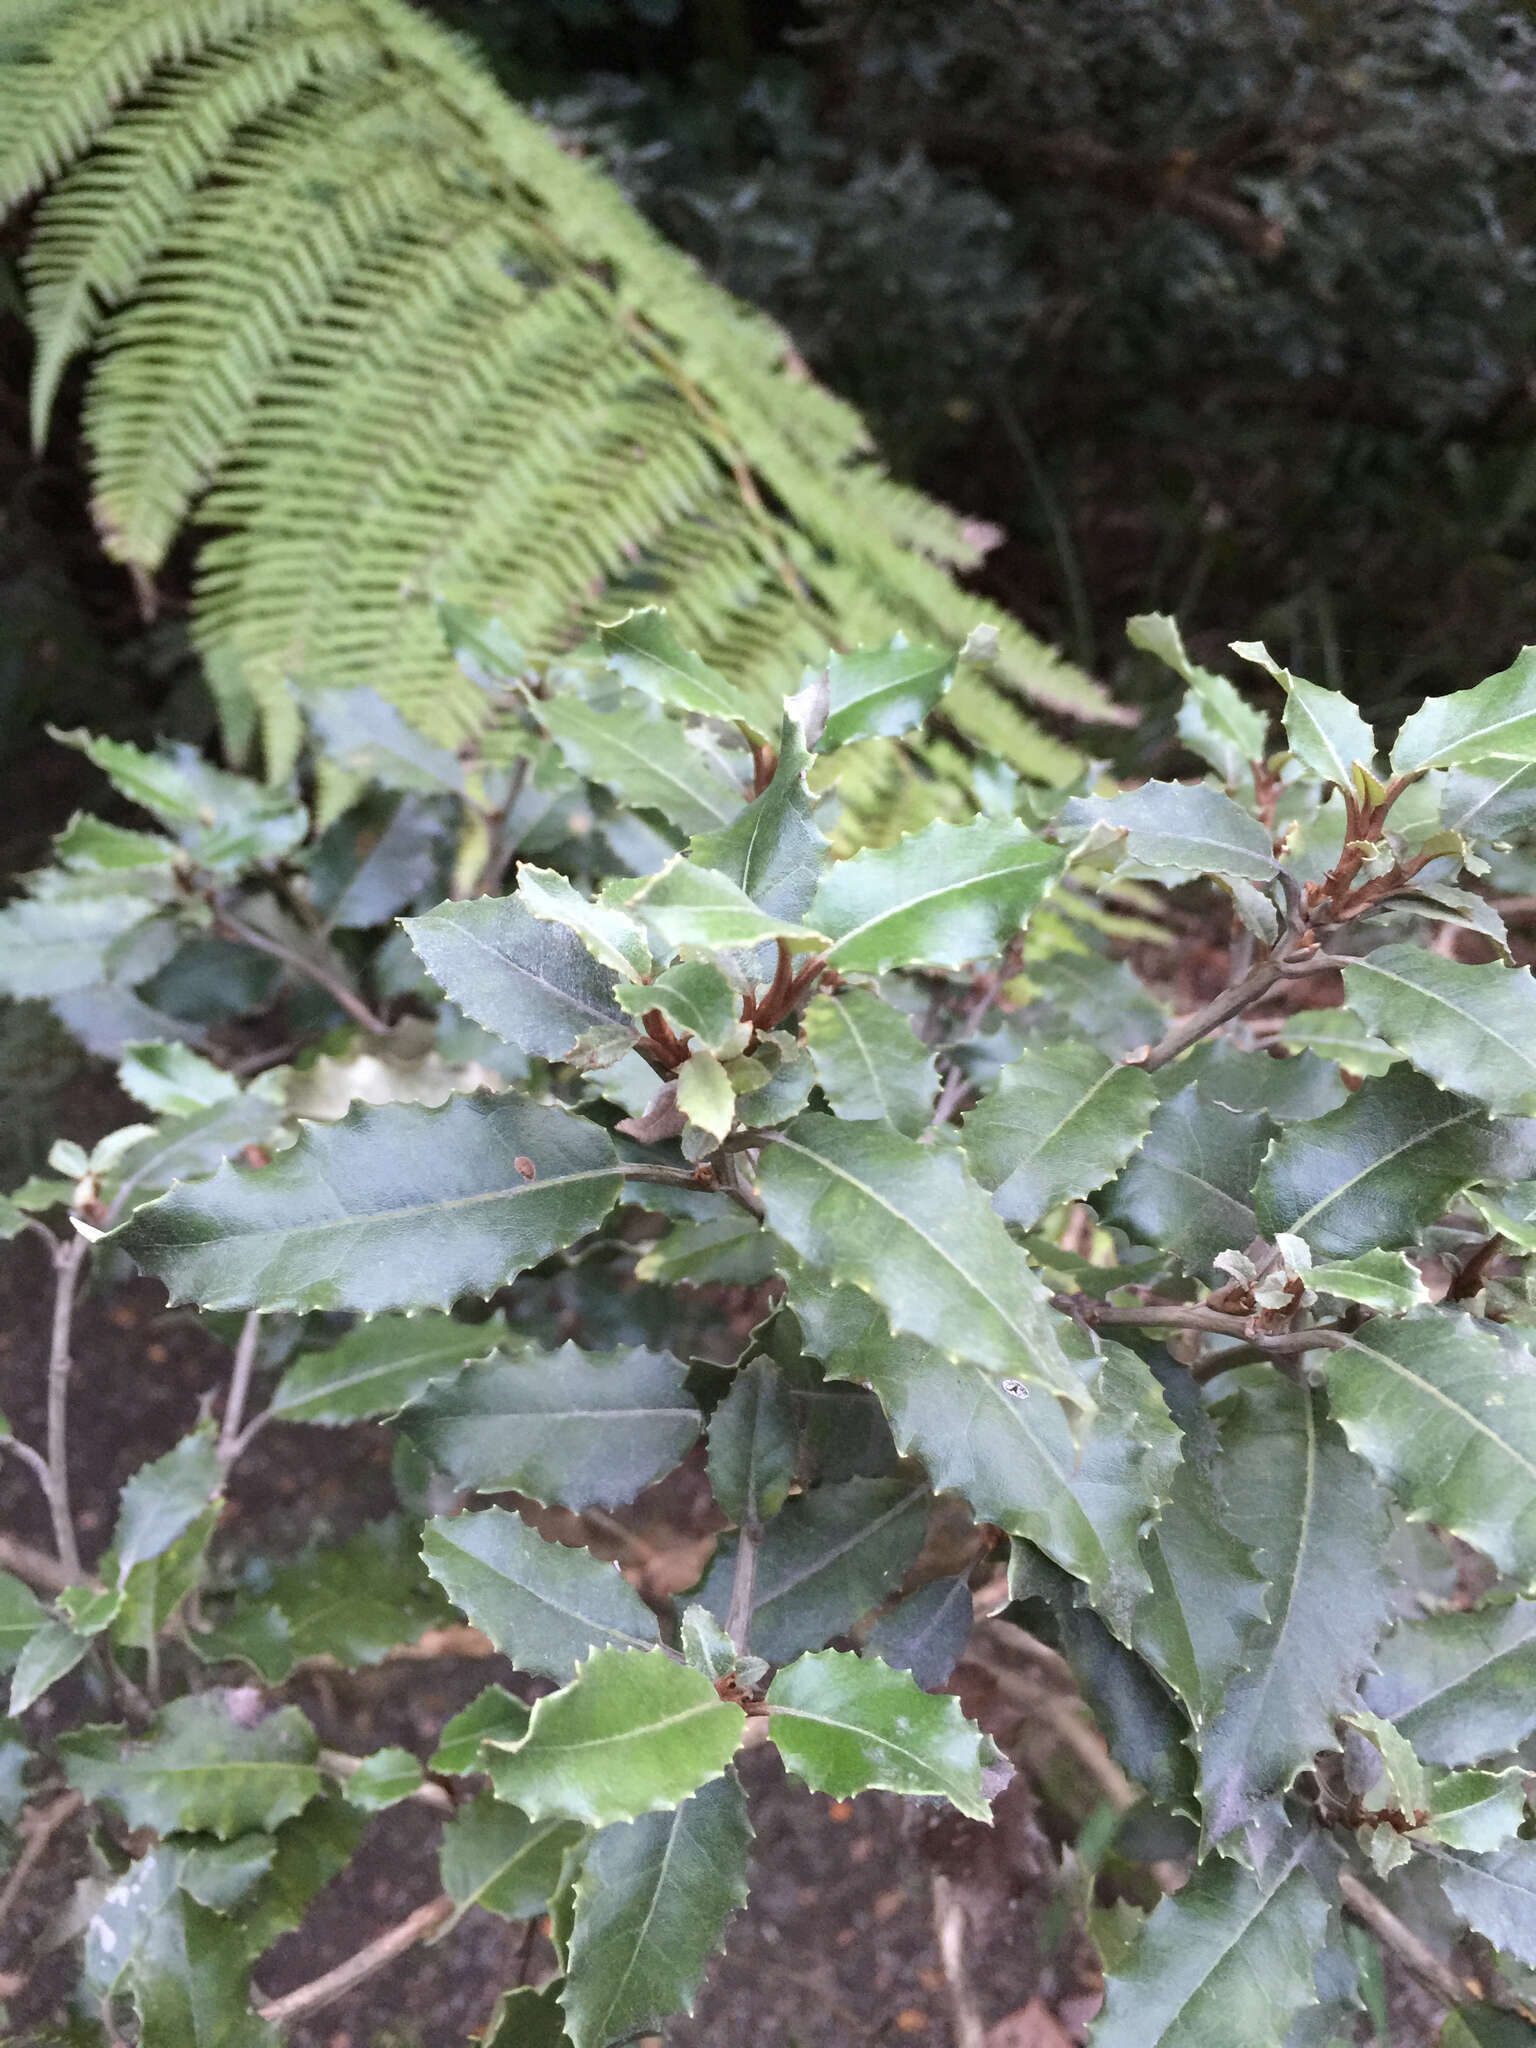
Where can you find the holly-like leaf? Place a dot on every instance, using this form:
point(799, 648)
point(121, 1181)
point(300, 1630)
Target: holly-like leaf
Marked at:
point(52, 948)
point(846, 1724)
point(694, 996)
point(201, 1768)
point(1461, 1687)
point(531, 982)
point(905, 1223)
point(613, 939)
point(882, 692)
point(645, 653)
point(311, 1850)
point(1008, 1449)
point(1315, 1522)
point(568, 1427)
point(492, 1712)
point(753, 1445)
point(1387, 1280)
point(496, 1857)
point(773, 851)
point(164, 1498)
point(645, 756)
point(48, 1655)
point(827, 1558)
point(1476, 1810)
point(225, 821)
point(1372, 1174)
point(1496, 1894)
point(172, 1079)
point(1189, 1190)
point(1214, 721)
point(1499, 804)
point(354, 1602)
point(1288, 1090)
point(927, 1632)
point(870, 1062)
point(1062, 1119)
point(705, 1095)
point(542, 1605)
point(1494, 722)
point(22, 1614)
point(400, 1207)
point(185, 1148)
point(692, 907)
point(652, 1904)
point(631, 1733)
point(1227, 1959)
point(383, 1779)
point(1472, 1028)
point(1326, 732)
point(1445, 1410)
point(190, 1980)
point(1176, 828)
point(1340, 1036)
point(941, 897)
point(379, 1366)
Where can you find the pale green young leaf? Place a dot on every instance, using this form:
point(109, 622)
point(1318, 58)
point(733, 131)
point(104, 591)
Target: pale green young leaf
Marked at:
point(379, 1366)
point(531, 982)
point(942, 897)
point(652, 1903)
point(633, 1732)
point(882, 692)
point(644, 652)
point(645, 756)
point(705, 1095)
point(1461, 1686)
point(706, 1646)
point(1189, 1190)
point(1062, 1119)
point(1315, 1523)
point(13, 1221)
point(1402, 1781)
point(201, 1769)
point(571, 1428)
point(905, 1223)
point(689, 907)
point(164, 1498)
point(1008, 1449)
point(91, 843)
point(1175, 828)
point(1214, 720)
point(846, 1724)
point(826, 1558)
point(382, 1779)
point(492, 1712)
point(773, 851)
point(172, 1079)
point(1325, 731)
point(753, 1445)
point(693, 996)
point(1369, 1176)
point(1496, 721)
point(870, 1062)
point(22, 1614)
point(1472, 1028)
point(1476, 1810)
point(614, 940)
point(1384, 1280)
point(400, 1207)
point(1227, 1959)
point(47, 1656)
point(226, 821)
point(1444, 1408)
point(494, 1856)
point(1340, 1036)
point(542, 1605)
point(352, 1602)
point(1496, 1894)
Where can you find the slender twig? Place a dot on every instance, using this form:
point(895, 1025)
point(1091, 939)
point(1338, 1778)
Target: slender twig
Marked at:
point(681, 1177)
point(38, 1827)
point(230, 1440)
point(738, 1618)
point(1152, 1315)
point(229, 926)
point(1473, 1276)
point(68, 1258)
point(1220, 1010)
point(335, 1983)
point(34, 1461)
point(949, 1931)
point(1419, 1960)
point(33, 1565)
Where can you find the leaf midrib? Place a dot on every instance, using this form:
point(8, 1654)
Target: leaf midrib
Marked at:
point(911, 903)
point(1420, 1137)
point(1435, 995)
point(1428, 1387)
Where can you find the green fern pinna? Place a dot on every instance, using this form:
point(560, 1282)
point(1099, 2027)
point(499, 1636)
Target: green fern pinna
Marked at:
point(389, 343)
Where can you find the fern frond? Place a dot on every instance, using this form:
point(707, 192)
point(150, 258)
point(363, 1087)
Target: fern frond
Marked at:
point(365, 318)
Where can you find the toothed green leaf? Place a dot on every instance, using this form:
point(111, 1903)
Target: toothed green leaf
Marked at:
point(753, 1445)
point(613, 939)
point(200, 1769)
point(846, 1724)
point(1460, 1686)
point(1472, 1028)
point(379, 1366)
point(1325, 731)
point(1062, 1119)
point(1189, 1190)
point(496, 1857)
point(1213, 721)
point(644, 651)
point(531, 982)
point(883, 692)
point(645, 756)
point(1496, 721)
point(1176, 827)
point(871, 1064)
